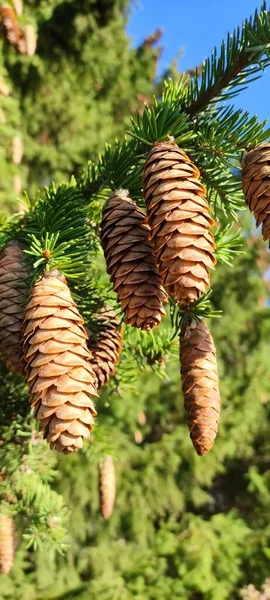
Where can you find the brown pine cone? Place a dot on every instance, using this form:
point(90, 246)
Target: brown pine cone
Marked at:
point(200, 384)
point(106, 346)
point(125, 238)
point(58, 364)
point(178, 215)
point(7, 544)
point(106, 487)
point(13, 291)
point(256, 186)
point(10, 25)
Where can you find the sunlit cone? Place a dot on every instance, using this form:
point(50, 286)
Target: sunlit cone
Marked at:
point(256, 186)
point(17, 188)
point(13, 290)
point(17, 150)
point(30, 37)
point(58, 364)
point(4, 89)
point(178, 215)
point(18, 6)
point(106, 345)
point(200, 384)
point(125, 238)
point(7, 544)
point(106, 487)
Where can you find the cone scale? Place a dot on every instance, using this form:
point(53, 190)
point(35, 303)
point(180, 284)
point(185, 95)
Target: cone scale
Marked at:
point(131, 264)
point(256, 186)
point(200, 384)
point(106, 346)
point(13, 290)
point(178, 215)
point(58, 364)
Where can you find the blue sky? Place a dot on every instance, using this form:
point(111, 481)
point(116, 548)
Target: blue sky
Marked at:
point(196, 27)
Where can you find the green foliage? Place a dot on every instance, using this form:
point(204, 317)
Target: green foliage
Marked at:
point(57, 224)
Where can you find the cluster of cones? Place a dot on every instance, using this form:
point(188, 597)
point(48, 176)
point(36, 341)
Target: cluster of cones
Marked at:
point(170, 249)
point(24, 40)
point(46, 341)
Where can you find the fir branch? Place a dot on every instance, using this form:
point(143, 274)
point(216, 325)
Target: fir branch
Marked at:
point(121, 166)
point(55, 233)
point(151, 350)
point(228, 244)
point(242, 58)
point(164, 117)
point(200, 309)
point(226, 132)
point(224, 188)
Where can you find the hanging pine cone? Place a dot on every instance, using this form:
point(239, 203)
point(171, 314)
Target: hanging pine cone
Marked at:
point(178, 215)
point(125, 238)
point(13, 290)
point(7, 544)
point(17, 150)
point(256, 186)
point(106, 487)
point(18, 6)
point(30, 38)
point(10, 25)
point(200, 384)
point(106, 346)
point(58, 368)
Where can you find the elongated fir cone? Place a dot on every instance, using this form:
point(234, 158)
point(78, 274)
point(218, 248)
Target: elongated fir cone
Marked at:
point(106, 346)
point(131, 264)
point(58, 370)
point(13, 291)
point(106, 487)
point(200, 384)
point(256, 186)
point(7, 544)
point(178, 215)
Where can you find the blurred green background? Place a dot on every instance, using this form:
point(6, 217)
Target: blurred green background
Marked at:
point(183, 528)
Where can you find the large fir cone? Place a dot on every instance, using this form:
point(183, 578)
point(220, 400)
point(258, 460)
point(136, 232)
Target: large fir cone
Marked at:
point(178, 215)
point(200, 384)
point(128, 250)
point(256, 186)
point(106, 346)
point(7, 543)
point(106, 487)
point(58, 364)
point(13, 290)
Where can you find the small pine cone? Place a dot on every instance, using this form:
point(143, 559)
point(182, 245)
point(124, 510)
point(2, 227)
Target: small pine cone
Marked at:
point(10, 25)
point(17, 150)
point(106, 487)
point(58, 364)
point(18, 6)
point(200, 384)
point(7, 544)
point(30, 37)
point(125, 238)
point(256, 186)
point(178, 215)
point(107, 345)
point(13, 290)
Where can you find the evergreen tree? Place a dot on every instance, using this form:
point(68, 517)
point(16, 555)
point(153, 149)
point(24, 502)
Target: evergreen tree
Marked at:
point(183, 527)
